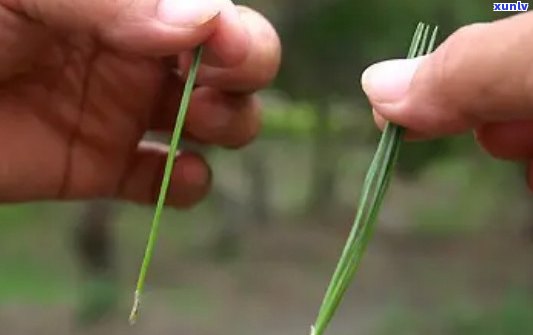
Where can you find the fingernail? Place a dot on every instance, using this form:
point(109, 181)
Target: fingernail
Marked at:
point(188, 13)
point(389, 81)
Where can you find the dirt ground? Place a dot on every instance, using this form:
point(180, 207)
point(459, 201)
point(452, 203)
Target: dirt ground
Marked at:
point(275, 287)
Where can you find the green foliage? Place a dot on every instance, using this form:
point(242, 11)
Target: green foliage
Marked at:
point(17, 215)
point(399, 320)
point(510, 317)
point(418, 155)
point(513, 317)
point(294, 120)
point(193, 302)
point(22, 280)
point(328, 43)
point(99, 300)
point(476, 196)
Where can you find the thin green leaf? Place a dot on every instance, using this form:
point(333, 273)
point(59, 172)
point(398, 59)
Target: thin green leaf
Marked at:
point(423, 42)
point(373, 192)
point(416, 36)
point(174, 143)
point(432, 41)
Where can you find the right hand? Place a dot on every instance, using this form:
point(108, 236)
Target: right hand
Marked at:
point(480, 78)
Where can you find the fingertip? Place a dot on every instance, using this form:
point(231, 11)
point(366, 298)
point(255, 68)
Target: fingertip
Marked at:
point(190, 177)
point(387, 85)
point(249, 127)
point(266, 46)
point(389, 81)
point(192, 169)
point(192, 180)
point(261, 65)
point(230, 44)
point(227, 47)
point(227, 120)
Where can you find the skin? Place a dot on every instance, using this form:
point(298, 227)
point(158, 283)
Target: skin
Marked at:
point(81, 82)
point(480, 79)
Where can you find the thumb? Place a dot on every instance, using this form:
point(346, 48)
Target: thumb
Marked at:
point(155, 27)
point(482, 73)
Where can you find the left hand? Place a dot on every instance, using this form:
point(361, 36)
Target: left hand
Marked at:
point(82, 81)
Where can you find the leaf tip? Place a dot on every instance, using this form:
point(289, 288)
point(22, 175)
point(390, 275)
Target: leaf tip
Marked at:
point(135, 309)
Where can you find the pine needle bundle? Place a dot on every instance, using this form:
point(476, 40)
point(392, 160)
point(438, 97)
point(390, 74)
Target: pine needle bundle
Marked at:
point(372, 195)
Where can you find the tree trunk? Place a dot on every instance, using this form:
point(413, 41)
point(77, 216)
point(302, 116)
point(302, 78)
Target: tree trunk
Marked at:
point(259, 187)
point(323, 178)
point(232, 214)
point(95, 250)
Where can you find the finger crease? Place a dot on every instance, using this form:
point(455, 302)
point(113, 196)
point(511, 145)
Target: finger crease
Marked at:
point(74, 135)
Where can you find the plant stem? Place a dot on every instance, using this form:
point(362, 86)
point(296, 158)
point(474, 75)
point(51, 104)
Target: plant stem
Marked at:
point(174, 143)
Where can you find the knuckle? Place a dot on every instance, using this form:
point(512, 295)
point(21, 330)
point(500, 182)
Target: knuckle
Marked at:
point(448, 65)
point(248, 126)
point(448, 59)
point(265, 59)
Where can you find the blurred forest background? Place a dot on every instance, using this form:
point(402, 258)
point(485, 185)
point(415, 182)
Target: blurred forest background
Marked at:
point(452, 253)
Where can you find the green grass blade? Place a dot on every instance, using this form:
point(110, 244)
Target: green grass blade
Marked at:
point(375, 185)
point(432, 41)
point(415, 39)
point(173, 149)
point(423, 42)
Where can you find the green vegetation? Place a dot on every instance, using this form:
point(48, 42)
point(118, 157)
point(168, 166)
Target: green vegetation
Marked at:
point(459, 317)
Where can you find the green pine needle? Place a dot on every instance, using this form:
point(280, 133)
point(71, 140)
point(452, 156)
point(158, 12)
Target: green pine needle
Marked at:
point(374, 188)
point(176, 135)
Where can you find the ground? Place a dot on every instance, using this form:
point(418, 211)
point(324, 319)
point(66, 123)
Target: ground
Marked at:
point(451, 256)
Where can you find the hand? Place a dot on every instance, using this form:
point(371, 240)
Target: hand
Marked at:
point(82, 81)
point(480, 78)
